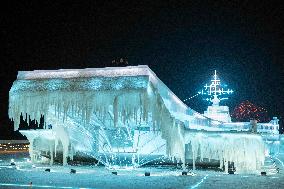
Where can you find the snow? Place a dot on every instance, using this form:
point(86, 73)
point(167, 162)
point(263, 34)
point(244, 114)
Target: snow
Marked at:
point(99, 177)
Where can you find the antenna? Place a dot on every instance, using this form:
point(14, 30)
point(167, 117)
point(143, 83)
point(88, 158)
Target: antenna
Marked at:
point(215, 92)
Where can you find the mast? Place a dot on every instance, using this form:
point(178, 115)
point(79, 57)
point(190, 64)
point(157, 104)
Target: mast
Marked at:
point(215, 92)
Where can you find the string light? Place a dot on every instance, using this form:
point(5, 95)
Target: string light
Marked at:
point(215, 89)
point(191, 97)
point(247, 110)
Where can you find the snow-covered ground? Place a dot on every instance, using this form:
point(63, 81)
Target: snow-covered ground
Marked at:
point(98, 177)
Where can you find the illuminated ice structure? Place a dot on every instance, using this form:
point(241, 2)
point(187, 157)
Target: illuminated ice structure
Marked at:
point(215, 93)
point(216, 90)
point(124, 117)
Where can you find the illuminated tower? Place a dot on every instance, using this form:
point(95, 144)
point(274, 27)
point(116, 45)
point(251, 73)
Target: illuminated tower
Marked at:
point(215, 93)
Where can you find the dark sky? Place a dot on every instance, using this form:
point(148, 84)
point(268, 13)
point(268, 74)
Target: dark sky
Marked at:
point(181, 42)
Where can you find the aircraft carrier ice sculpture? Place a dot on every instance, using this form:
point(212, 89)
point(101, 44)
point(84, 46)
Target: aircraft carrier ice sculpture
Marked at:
point(123, 116)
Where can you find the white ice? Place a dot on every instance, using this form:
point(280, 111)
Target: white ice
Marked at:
point(129, 98)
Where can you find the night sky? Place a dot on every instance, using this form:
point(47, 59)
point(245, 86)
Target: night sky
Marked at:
point(183, 43)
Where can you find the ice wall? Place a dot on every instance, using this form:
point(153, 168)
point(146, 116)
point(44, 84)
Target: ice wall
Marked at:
point(246, 150)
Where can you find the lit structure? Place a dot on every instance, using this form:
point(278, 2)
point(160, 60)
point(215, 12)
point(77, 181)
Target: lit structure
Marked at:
point(214, 93)
point(14, 145)
point(126, 116)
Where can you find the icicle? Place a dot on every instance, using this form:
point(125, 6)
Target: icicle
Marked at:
point(51, 154)
point(55, 146)
point(115, 111)
point(31, 147)
point(246, 151)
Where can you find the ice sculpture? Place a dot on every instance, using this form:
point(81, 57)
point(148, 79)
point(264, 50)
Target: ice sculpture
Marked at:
point(245, 150)
point(120, 116)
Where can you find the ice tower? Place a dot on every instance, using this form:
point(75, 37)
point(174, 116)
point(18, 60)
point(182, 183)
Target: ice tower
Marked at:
point(214, 94)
